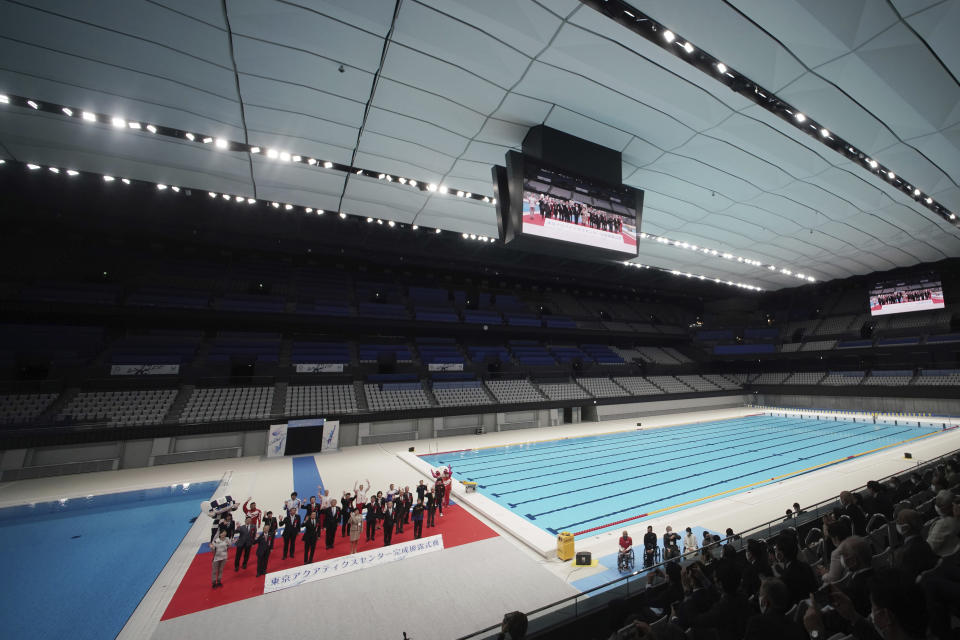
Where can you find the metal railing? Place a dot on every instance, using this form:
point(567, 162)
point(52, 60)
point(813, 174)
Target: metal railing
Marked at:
point(589, 601)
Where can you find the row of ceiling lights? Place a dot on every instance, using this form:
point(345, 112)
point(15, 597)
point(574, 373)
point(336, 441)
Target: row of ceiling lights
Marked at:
point(741, 285)
point(283, 156)
point(645, 26)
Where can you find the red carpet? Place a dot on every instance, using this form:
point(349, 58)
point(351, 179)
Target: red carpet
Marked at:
point(195, 594)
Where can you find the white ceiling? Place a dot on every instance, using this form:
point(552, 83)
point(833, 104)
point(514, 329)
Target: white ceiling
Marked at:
point(461, 81)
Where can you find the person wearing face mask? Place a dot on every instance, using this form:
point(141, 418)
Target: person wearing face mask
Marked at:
point(942, 537)
point(898, 611)
point(771, 623)
point(914, 555)
point(757, 567)
point(837, 531)
point(856, 556)
point(849, 508)
point(797, 575)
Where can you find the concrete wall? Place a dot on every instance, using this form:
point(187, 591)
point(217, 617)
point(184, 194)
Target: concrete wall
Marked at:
point(879, 404)
point(659, 407)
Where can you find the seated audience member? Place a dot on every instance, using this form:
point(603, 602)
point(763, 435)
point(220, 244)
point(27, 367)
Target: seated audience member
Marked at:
point(772, 623)
point(942, 536)
point(698, 597)
point(897, 611)
point(671, 541)
point(728, 616)
point(856, 554)
point(789, 515)
point(514, 626)
point(849, 508)
point(649, 547)
point(837, 531)
point(914, 555)
point(877, 500)
point(757, 567)
point(797, 510)
point(796, 575)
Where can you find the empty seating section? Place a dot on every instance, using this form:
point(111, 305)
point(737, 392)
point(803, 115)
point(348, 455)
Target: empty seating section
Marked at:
point(638, 385)
point(318, 400)
point(563, 391)
point(166, 297)
point(834, 325)
point(818, 345)
point(843, 378)
point(311, 352)
point(721, 381)
point(23, 408)
point(669, 384)
point(804, 326)
point(329, 294)
point(439, 351)
point(73, 292)
point(789, 347)
point(698, 383)
point(251, 303)
point(168, 347)
point(432, 305)
point(60, 345)
point(480, 354)
point(119, 408)
point(770, 378)
point(530, 353)
point(655, 355)
point(569, 354)
point(559, 322)
point(676, 355)
point(487, 316)
point(938, 377)
point(391, 396)
point(371, 352)
point(601, 354)
point(889, 378)
point(601, 387)
point(805, 377)
point(231, 346)
point(228, 403)
point(513, 391)
point(460, 393)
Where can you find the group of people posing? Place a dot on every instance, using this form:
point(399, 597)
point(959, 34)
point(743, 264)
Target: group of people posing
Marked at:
point(578, 213)
point(322, 515)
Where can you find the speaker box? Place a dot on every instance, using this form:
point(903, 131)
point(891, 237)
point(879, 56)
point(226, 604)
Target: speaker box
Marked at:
point(584, 558)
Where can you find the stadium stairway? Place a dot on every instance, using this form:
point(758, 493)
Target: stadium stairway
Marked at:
point(361, 396)
point(183, 394)
point(286, 349)
point(279, 406)
point(58, 404)
point(428, 391)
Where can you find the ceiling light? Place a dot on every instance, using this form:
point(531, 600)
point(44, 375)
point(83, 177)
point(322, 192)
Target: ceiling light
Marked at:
point(320, 212)
point(207, 140)
point(413, 183)
point(722, 68)
point(891, 175)
point(297, 158)
point(275, 205)
point(68, 111)
point(465, 236)
point(414, 227)
point(72, 172)
point(272, 154)
point(309, 209)
point(688, 47)
point(221, 143)
point(285, 156)
point(288, 207)
point(381, 176)
point(929, 200)
point(343, 215)
point(359, 172)
point(379, 221)
point(161, 187)
point(127, 181)
point(190, 137)
point(108, 178)
point(389, 179)
point(443, 189)
point(459, 194)
point(89, 117)
point(392, 223)
point(238, 198)
point(211, 194)
point(54, 170)
point(251, 200)
point(225, 196)
point(133, 125)
point(811, 279)
point(436, 230)
point(327, 165)
point(33, 104)
point(953, 216)
point(668, 35)
point(800, 117)
point(431, 187)
point(402, 180)
point(824, 133)
point(151, 128)
point(4, 98)
point(369, 219)
point(872, 163)
point(311, 161)
point(916, 192)
point(254, 149)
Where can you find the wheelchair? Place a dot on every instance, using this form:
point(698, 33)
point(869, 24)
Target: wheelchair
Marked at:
point(651, 556)
point(625, 561)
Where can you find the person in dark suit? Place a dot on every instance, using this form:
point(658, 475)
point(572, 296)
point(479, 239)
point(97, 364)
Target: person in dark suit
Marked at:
point(418, 519)
point(346, 508)
point(797, 575)
point(774, 600)
point(431, 497)
point(263, 550)
point(270, 520)
point(849, 508)
point(857, 555)
point(372, 516)
point(227, 524)
point(291, 527)
point(244, 543)
point(331, 520)
point(310, 528)
point(915, 555)
point(649, 547)
point(729, 615)
point(388, 517)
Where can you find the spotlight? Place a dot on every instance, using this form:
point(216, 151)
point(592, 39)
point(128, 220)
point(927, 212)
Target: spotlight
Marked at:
point(272, 154)
point(953, 216)
point(413, 183)
point(473, 236)
point(929, 200)
point(891, 175)
point(288, 207)
point(459, 194)
point(68, 111)
point(668, 36)
point(414, 227)
point(133, 125)
point(211, 194)
point(309, 209)
point(275, 205)
point(151, 128)
point(381, 176)
point(33, 104)
point(359, 172)
point(207, 140)
point(824, 133)
point(688, 47)
point(221, 143)
point(431, 187)
point(800, 117)
point(190, 137)
point(320, 212)
point(127, 181)
point(872, 163)
point(4, 99)
point(296, 158)
point(402, 180)
point(342, 215)
point(389, 179)
point(468, 195)
point(284, 156)
point(311, 161)
point(238, 198)
point(722, 68)
point(254, 149)
point(436, 230)
point(392, 223)
point(54, 170)
point(251, 200)
point(225, 196)
point(89, 117)
point(369, 219)
point(465, 236)
point(443, 189)
point(916, 192)
point(72, 172)
point(105, 178)
point(379, 221)
point(161, 187)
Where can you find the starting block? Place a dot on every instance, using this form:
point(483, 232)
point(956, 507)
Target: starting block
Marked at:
point(469, 487)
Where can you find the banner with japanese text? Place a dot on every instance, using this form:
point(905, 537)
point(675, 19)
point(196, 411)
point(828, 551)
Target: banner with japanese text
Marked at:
point(296, 576)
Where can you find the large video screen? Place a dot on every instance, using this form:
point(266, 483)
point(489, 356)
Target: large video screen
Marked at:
point(561, 206)
point(921, 294)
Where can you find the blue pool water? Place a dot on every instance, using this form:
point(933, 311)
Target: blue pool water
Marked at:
point(579, 484)
point(78, 568)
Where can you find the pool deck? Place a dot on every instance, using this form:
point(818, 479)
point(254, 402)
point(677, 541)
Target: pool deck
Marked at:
point(269, 481)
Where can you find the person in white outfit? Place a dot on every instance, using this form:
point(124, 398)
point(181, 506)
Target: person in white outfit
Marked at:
point(219, 547)
point(689, 542)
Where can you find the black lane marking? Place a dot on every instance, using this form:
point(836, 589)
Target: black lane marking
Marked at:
point(683, 493)
point(813, 435)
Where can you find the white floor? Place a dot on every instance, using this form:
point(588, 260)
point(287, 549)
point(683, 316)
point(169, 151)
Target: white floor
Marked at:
point(474, 567)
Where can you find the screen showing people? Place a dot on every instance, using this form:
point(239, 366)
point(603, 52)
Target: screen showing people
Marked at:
point(901, 297)
point(572, 209)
